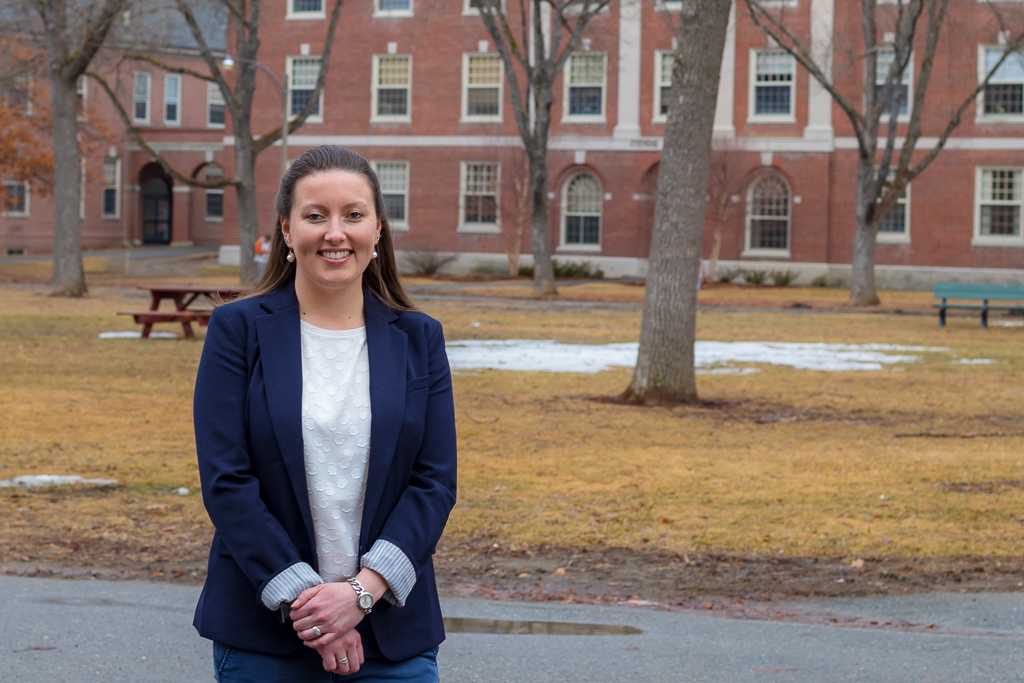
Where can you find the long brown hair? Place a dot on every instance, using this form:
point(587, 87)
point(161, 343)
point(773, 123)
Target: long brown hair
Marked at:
point(381, 275)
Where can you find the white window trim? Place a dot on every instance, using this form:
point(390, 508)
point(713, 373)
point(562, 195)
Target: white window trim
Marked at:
point(116, 187)
point(289, 60)
point(574, 9)
point(375, 86)
point(658, 117)
point(752, 116)
point(585, 118)
point(564, 247)
point(27, 213)
point(83, 81)
point(979, 240)
point(468, 11)
point(466, 118)
point(149, 97)
point(909, 75)
point(379, 13)
point(479, 228)
point(403, 225)
point(292, 15)
point(210, 89)
point(676, 5)
point(207, 217)
point(177, 101)
point(761, 252)
point(898, 237)
point(979, 108)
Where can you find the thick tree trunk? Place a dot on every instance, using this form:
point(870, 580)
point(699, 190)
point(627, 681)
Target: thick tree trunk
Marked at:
point(665, 366)
point(862, 278)
point(68, 278)
point(540, 242)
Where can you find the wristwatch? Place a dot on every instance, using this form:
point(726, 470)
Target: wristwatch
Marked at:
point(363, 597)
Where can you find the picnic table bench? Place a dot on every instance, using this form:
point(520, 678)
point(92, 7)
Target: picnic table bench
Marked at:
point(986, 293)
point(183, 296)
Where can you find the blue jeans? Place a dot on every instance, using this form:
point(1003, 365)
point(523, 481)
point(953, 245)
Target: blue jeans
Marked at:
point(233, 665)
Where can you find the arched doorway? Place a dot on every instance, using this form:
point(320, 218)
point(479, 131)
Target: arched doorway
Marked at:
point(156, 211)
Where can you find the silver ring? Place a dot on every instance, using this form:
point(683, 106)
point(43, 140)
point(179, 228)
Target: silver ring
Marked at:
point(316, 631)
point(343, 660)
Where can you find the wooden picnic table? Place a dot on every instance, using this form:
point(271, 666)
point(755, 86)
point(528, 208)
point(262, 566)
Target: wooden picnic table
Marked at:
point(183, 297)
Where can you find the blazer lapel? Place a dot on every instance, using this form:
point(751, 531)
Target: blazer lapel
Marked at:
point(278, 336)
point(387, 350)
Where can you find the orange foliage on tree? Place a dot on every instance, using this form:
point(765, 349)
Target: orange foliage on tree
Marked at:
point(25, 152)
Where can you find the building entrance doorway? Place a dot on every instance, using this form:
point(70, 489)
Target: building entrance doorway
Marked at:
point(156, 212)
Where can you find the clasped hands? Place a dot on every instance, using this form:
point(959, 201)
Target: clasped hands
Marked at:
point(331, 608)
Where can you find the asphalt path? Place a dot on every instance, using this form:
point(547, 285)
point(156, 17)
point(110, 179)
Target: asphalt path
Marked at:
point(101, 631)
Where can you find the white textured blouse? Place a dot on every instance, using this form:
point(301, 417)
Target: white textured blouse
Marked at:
point(336, 442)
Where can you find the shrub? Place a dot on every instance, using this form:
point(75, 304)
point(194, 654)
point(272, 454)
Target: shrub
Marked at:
point(755, 277)
point(569, 269)
point(424, 262)
point(783, 278)
point(727, 274)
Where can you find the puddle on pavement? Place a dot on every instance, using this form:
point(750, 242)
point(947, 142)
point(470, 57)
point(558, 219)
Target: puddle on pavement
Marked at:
point(548, 628)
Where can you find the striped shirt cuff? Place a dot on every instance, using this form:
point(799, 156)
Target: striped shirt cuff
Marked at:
point(388, 560)
point(287, 585)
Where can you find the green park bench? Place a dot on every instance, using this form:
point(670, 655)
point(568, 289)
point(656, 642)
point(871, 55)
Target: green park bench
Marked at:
point(986, 293)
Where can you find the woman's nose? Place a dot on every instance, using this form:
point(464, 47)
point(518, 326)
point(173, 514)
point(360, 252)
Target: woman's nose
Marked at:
point(335, 229)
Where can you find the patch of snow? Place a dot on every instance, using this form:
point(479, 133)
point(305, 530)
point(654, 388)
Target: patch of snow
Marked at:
point(29, 481)
point(1007, 323)
point(711, 357)
point(128, 334)
point(974, 361)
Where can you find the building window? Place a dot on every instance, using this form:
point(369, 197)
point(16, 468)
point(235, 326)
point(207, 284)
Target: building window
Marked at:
point(214, 197)
point(997, 215)
point(663, 60)
point(482, 84)
point(172, 100)
point(768, 217)
point(883, 62)
point(302, 75)
point(214, 106)
point(392, 80)
point(392, 8)
point(16, 198)
point(1004, 94)
point(111, 188)
point(894, 228)
point(584, 89)
point(479, 197)
point(81, 97)
point(394, 185)
point(772, 85)
point(305, 9)
point(140, 98)
point(19, 94)
point(581, 212)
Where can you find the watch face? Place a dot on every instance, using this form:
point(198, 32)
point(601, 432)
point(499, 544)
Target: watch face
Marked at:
point(366, 601)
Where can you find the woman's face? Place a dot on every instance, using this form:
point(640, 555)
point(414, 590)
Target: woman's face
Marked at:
point(332, 229)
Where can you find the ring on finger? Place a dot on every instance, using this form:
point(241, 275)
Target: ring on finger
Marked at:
point(343, 660)
point(317, 632)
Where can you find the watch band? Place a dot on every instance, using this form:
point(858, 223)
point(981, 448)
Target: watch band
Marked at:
point(364, 598)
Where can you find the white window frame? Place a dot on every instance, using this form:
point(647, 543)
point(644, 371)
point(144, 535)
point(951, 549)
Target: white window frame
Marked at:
point(82, 91)
point(22, 83)
point(479, 228)
point(396, 225)
point(148, 97)
point(381, 13)
point(979, 240)
point(116, 187)
point(563, 246)
point(28, 201)
point(212, 93)
point(566, 77)
point(752, 115)
point(979, 109)
point(292, 15)
point(659, 83)
point(466, 117)
point(176, 100)
point(468, 11)
point(763, 252)
point(908, 81)
point(375, 92)
point(896, 237)
point(289, 66)
point(207, 192)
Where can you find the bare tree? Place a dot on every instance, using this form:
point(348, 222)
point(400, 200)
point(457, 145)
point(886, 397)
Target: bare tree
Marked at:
point(885, 164)
point(516, 172)
point(665, 365)
point(534, 44)
point(71, 33)
point(725, 174)
point(244, 21)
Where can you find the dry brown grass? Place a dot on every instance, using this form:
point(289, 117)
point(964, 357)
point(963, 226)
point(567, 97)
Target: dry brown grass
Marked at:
point(781, 460)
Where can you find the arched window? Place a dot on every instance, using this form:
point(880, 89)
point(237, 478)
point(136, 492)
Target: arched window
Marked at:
point(768, 214)
point(581, 211)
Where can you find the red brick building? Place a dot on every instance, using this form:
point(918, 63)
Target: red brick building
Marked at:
point(418, 88)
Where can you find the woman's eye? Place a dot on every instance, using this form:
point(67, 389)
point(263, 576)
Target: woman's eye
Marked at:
point(314, 216)
point(356, 215)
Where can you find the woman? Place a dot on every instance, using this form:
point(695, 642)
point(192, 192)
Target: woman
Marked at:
point(325, 433)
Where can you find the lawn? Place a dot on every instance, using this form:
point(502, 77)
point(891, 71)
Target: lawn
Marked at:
point(920, 460)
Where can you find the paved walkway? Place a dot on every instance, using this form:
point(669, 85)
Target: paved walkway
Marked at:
point(105, 632)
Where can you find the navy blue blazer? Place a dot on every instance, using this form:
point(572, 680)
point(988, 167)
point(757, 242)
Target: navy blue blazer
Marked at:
point(247, 413)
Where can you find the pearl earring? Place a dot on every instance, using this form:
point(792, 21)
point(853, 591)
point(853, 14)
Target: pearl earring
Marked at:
point(290, 257)
point(374, 255)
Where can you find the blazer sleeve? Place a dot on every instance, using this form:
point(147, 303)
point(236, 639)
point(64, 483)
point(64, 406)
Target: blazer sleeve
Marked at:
point(418, 518)
point(246, 529)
